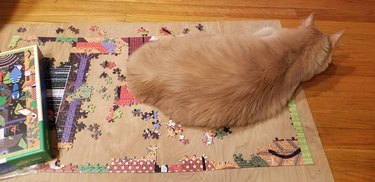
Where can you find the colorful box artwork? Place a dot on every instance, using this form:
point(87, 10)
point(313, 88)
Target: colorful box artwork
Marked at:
point(23, 138)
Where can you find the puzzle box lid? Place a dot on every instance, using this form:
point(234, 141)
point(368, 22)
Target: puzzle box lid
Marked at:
point(23, 133)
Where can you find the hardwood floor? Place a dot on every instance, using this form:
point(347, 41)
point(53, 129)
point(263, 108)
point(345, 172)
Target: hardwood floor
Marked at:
point(342, 99)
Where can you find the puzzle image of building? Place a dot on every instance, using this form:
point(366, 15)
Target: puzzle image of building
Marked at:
point(56, 80)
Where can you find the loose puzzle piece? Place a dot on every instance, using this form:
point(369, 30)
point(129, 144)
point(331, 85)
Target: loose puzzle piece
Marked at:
point(155, 134)
point(14, 41)
point(91, 108)
point(200, 27)
point(220, 133)
point(80, 126)
point(93, 127)
point(142, 31)
point(149, 115)
point(116, 71)
point(156, 124)
point(21, 30)
point(185, 31)
point(227, 130)
point(114, 113)
point(93, 28)
point(146, 133)
point(102, 33)
point(208, 137)
point(106, 97)
point(59, 30)
point(165, 31)
point(118, 114)
point(108, 80)
point(183, 140)
point(73, 29)
point(96, 134)
point(101, 89)
point(115, 107)
point(103, 75)
point(108, 64)
point(137, 112)
point(121, 78)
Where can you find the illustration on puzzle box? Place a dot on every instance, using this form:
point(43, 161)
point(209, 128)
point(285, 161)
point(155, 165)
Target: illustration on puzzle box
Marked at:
point(18, 105)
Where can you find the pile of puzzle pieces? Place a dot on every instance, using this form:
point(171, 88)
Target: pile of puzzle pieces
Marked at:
point(208, 137)
point(176, 130)
point(114, 114)
point(96, 133)
point(146, 116)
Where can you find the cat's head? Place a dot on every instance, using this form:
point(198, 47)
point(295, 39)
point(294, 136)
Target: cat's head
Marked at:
point(318, 51)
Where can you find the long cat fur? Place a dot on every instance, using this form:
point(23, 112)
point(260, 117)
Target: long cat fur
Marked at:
point(216, 80)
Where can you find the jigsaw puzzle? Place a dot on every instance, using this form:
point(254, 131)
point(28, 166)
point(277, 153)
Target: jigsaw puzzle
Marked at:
point(91, 107)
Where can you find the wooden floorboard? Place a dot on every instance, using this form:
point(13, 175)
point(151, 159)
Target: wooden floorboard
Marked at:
point(342, 99)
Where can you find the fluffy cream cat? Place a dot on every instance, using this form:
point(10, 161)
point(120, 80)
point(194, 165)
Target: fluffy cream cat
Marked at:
point(216, 80)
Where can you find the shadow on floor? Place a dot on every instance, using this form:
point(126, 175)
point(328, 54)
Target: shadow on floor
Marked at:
point(7, 9)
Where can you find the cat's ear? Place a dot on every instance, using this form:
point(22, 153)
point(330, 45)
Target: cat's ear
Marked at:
point(309, 22)
point(336, 37)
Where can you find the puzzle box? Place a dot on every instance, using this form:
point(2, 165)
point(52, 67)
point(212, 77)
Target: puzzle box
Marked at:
point(23, 133)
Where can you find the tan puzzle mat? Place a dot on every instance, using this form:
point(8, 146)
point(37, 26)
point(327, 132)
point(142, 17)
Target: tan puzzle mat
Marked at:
point(115, 142)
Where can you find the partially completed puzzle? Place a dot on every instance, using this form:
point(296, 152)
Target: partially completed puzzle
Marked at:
point(101, 127)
